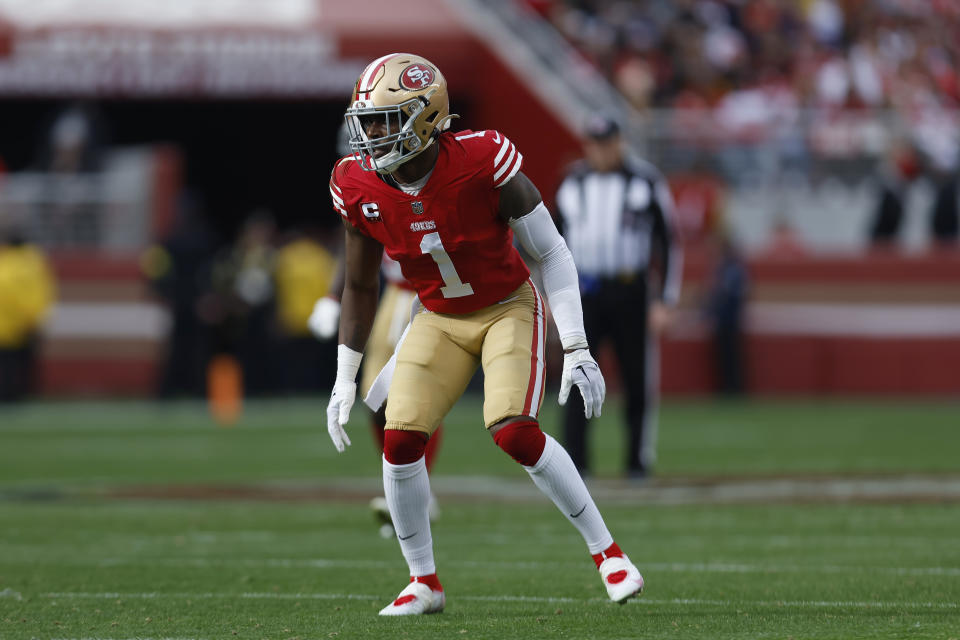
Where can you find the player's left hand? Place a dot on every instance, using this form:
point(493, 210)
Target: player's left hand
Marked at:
point(338, 412)
point(579, 368)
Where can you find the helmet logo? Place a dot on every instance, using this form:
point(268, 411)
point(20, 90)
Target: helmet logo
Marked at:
point(416, 76)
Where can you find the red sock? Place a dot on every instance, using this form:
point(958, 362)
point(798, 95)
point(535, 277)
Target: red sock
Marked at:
point(431, 581)
point(613, 551)
point(433, 446)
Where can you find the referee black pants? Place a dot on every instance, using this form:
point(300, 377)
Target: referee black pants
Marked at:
point(616, 310)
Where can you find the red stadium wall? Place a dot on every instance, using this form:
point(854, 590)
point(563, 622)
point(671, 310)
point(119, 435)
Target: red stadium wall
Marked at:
point(865, 348)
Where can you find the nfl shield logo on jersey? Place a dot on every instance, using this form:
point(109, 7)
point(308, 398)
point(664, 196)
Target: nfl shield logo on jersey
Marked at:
point(417, 207)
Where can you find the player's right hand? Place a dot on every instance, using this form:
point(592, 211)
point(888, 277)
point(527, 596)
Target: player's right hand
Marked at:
point(324, 320)
point(338, 412)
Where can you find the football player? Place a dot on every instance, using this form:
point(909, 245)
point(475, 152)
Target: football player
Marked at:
point(443, 205)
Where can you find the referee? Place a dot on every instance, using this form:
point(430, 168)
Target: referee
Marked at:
point(616, 215)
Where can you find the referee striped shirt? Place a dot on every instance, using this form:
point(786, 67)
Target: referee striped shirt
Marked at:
point(614, 222)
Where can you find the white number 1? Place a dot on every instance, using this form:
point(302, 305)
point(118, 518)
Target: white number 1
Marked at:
point(455, 287)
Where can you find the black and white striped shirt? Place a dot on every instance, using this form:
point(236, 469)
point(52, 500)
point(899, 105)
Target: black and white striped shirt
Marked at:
point(613, 222)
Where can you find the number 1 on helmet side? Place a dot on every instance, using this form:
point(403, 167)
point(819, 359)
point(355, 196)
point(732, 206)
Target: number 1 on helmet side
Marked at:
point(455, 288)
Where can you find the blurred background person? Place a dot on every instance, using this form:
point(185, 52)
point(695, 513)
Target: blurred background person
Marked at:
point(725, 308)
point(900, 170)
point(305, 271)
point(27, 293)
point(178, 271)
point(74, 146)
point(75, 142)
point(617, 216)
point(945, 219)
point(243, 302)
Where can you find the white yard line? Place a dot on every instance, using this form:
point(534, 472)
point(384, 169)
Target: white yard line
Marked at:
point(504, 598)
point(676, 567)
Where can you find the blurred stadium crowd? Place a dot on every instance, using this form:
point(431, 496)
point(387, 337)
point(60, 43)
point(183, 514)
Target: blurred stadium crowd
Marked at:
point(834, 78)
point(821, 53)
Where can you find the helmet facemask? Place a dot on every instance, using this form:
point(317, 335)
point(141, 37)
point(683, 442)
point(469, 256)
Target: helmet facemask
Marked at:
point(399, 142)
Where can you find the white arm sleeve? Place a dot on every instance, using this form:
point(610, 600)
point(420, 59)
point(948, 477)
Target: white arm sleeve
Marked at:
point(539, 237)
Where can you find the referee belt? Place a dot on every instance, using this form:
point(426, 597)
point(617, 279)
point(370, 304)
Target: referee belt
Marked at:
point(589, 283)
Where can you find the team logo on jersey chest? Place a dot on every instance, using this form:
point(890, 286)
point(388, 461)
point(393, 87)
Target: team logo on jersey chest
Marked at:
point(371, 211)
point(417, 207)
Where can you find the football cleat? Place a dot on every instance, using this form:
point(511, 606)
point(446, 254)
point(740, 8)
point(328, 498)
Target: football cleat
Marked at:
point(416, 599)
point(622, 580)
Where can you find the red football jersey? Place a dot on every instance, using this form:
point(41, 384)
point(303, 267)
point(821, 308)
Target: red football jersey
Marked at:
point(451, 246)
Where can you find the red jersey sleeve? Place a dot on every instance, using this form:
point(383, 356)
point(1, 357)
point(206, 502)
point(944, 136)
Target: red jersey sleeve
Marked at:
point(497, 158)
point(336, 190)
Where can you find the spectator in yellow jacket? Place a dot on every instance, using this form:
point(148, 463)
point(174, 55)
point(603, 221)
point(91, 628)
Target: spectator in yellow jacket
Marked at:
point(304, 271)
point(27, 292)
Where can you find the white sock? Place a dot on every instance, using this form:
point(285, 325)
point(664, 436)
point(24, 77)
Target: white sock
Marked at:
point(407, 490)
point(557, 476)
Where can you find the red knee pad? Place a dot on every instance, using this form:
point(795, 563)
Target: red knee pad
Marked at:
point(403, 447)
point(524, 441)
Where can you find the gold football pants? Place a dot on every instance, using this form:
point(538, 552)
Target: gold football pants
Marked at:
point(441, 352)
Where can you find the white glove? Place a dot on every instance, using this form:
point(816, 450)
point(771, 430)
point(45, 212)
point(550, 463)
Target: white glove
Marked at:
point(338, 412)
point(324, 320)
point(579, 368)
point(344, 393)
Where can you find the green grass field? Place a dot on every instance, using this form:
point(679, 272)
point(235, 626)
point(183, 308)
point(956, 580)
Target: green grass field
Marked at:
point(790, 519)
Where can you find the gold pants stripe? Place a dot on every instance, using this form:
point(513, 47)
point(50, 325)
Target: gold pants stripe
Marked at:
point(531, 406)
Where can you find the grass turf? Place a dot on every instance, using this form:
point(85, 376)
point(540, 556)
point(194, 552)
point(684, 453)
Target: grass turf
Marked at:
point(74, 564)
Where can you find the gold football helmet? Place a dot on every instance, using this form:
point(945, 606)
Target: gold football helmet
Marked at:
point(399, 107)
